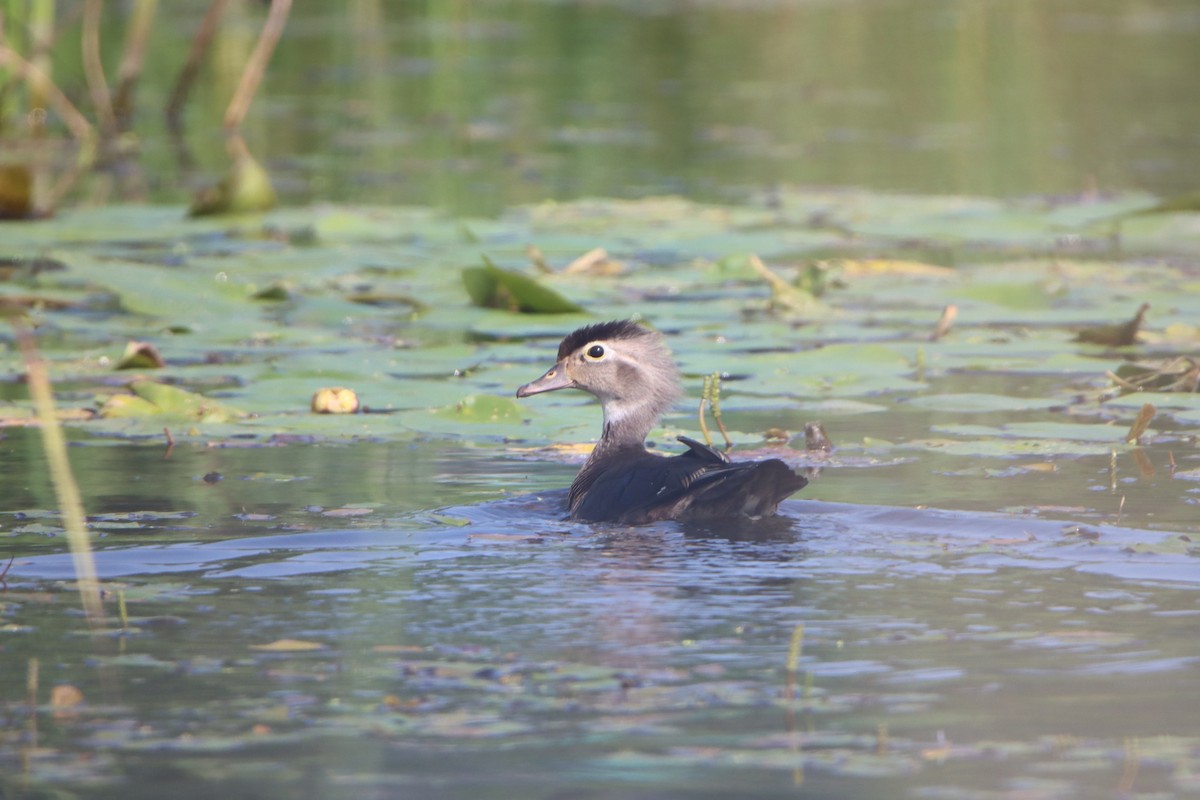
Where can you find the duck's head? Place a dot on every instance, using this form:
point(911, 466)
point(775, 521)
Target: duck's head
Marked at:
point(626, 366)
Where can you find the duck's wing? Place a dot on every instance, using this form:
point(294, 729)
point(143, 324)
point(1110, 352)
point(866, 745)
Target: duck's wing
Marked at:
point(623, 489)
point(699, 483)
point(706, 453)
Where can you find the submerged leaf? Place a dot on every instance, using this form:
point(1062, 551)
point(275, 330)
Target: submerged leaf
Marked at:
point(492, 287)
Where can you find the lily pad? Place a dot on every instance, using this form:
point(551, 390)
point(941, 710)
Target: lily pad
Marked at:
point(150, 398)
point(979, 402)
point(483, 408)
point(492, 287)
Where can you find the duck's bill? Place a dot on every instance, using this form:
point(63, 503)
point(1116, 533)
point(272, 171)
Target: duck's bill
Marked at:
point(555, 378)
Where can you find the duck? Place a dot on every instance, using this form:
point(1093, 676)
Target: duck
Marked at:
point(630, 370)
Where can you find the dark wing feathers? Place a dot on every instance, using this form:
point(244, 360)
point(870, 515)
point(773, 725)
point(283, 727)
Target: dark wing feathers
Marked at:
point(701, 482)
point(703, 451)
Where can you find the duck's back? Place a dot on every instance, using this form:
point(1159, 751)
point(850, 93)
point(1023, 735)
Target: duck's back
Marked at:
point(633, 486)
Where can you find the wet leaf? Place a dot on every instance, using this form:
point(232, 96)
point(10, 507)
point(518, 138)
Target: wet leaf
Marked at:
point(151, 398)
point(491, 287)
point(483, 408)
point(140, 355)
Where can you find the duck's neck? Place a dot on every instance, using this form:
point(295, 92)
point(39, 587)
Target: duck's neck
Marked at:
point(626, 426)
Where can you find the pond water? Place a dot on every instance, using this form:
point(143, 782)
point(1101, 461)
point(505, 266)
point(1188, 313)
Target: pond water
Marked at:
point(477, 106)
point(986, 591)
point(276, 645)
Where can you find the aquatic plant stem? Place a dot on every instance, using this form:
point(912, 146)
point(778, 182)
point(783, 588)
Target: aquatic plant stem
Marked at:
point(65, 487)
point(191, 67)
point(257, 65)
point(714, 401)
point(705, 390)
point(32, 675)
point(38, 81)
point(136, 36)
point(93, 68)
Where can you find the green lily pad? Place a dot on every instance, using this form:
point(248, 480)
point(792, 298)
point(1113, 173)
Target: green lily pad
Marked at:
point(979, 403)
point(150, 398)
point(483, 408)
point(1065, 431)
point(492, 287)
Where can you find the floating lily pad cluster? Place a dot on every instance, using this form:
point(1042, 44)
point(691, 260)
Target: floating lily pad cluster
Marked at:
point(833, 305)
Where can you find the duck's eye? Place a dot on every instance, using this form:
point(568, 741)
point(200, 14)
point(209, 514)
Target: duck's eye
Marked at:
point(595, 352)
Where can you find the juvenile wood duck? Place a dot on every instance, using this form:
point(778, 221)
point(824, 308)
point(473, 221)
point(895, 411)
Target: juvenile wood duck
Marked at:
point(630, 370)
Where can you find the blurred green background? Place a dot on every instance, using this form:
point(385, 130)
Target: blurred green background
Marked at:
point(477, 106)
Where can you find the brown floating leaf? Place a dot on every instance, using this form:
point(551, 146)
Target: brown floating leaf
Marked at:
point(594, 262)
point(944, 322)
point(1144, 418)
point(1115, 335)
point(335, 400)
point(141, 355)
